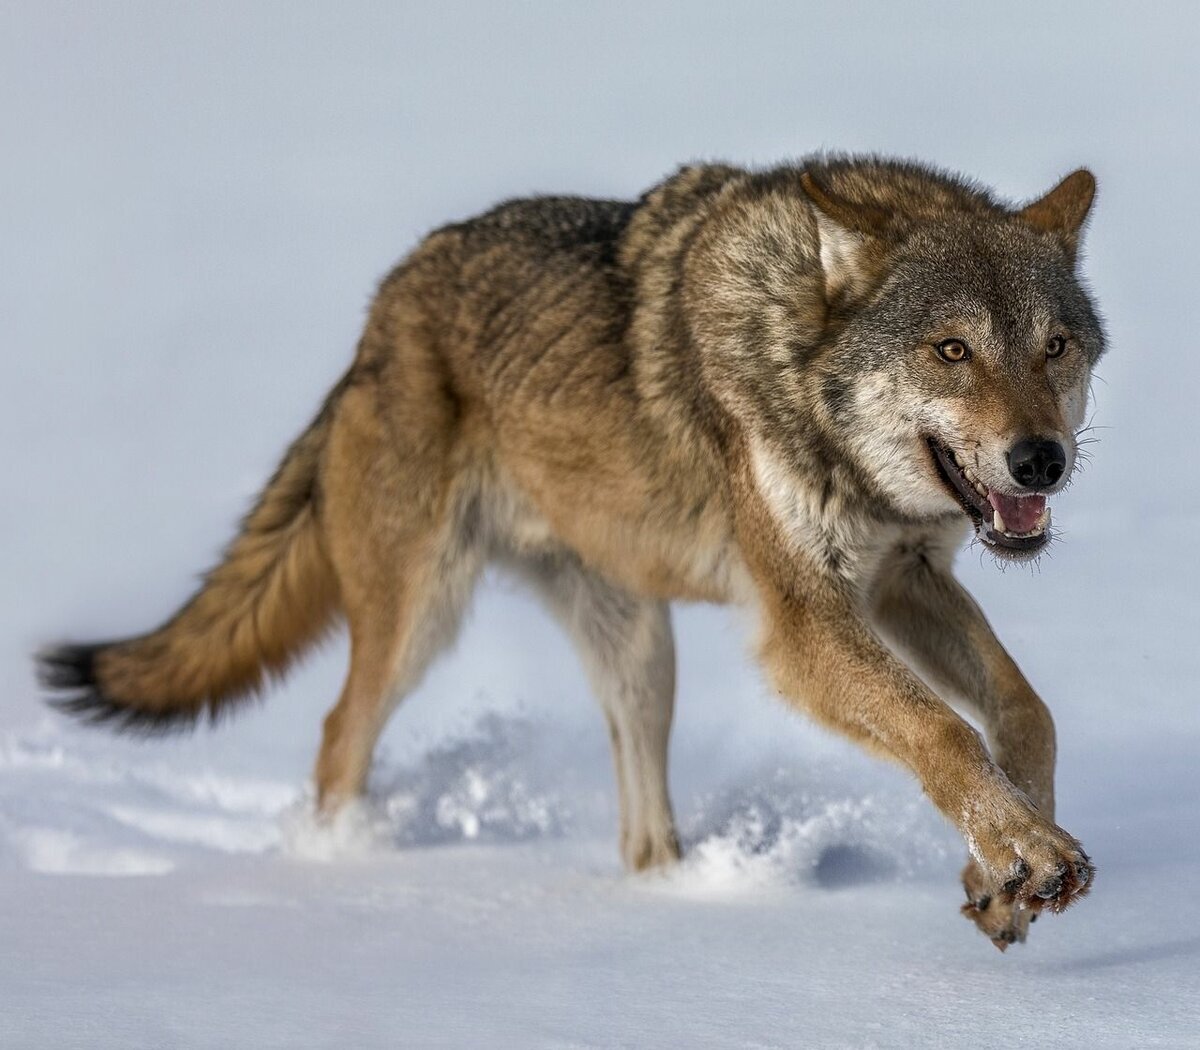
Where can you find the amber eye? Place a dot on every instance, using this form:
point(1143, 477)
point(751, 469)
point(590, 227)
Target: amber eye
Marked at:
point(953, 350)
point(1056, 346)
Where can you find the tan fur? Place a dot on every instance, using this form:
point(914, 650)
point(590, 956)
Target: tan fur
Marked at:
point(273, 594)
point(678, 399)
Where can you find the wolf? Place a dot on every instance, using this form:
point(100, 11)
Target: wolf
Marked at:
point(797, 390)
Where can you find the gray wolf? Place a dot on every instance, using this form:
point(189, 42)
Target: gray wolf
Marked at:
point(796, 390)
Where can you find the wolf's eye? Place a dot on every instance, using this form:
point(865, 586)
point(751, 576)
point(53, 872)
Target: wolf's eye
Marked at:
point(953, 350)
point(1056, 346)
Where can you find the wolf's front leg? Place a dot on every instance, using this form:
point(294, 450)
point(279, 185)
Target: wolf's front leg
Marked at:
point(926, 614)
point(939, 629)
point(823, 656)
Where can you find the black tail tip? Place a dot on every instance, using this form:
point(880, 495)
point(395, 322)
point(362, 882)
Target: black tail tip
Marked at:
point(68, 667)
point(68, 673)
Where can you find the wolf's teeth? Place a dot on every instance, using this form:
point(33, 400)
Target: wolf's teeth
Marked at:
point(998, 522)
point(981, 489)
point(1043, 522)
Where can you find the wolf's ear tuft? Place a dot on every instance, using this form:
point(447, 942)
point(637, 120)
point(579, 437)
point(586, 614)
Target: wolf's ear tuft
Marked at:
point(844, 230)
point(1063, 211)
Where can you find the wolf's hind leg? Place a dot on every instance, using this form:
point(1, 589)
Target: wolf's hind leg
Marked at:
point(628, 651)
point(390, 649)
point(404, 537)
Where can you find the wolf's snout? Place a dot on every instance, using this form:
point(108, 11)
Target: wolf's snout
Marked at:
point(1036, 463)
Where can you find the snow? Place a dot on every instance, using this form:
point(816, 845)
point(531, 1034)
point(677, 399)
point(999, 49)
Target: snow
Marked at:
point(196, 204)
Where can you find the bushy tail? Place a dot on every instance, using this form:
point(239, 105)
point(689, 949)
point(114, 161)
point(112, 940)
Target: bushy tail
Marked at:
point(273, 594)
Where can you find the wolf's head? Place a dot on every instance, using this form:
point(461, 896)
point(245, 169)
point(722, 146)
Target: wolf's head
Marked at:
point(890, 333)
point(903, 334)
point(961, 342)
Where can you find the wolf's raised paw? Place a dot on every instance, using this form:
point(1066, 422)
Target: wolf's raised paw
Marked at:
point(1004, 914)
point(1049, 887)
point(1031, 862)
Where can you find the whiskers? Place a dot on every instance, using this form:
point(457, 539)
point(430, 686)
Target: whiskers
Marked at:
point(1086, 436)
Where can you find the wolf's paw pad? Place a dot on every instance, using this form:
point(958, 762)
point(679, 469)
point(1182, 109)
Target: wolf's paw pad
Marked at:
point(1052, 883)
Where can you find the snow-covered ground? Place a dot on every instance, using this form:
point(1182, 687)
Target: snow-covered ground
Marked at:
point(194, 207)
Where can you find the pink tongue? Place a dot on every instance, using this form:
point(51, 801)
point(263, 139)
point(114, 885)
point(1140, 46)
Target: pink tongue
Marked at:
point(1020, 513)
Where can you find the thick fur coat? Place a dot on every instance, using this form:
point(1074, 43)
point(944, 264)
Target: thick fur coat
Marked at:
point(796, 390)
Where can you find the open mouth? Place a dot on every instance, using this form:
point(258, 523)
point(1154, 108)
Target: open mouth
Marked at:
point(1008, 524)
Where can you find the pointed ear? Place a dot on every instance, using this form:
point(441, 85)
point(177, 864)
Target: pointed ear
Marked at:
point(846, 231)
point(1064, 210)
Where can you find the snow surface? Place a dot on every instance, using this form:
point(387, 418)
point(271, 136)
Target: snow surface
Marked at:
point(195, 204)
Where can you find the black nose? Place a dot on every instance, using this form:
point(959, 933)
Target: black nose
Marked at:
point(1035, 463)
